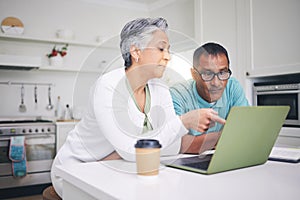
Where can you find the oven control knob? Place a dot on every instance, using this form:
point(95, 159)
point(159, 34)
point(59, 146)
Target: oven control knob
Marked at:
point(48, 129)
point(36, 130)
point(30, 130)
point(42, 130)
point(24, 131)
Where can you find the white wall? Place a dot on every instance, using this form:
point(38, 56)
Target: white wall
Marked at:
point(11, 94)
point(87, 20)
point(42, 19)
point(180, 16)
point(218, 24)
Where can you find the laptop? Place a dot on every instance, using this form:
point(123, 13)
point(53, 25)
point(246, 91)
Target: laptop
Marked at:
point(246, 140)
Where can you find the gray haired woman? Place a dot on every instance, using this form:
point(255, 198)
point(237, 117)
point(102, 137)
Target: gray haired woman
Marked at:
point(127, 104)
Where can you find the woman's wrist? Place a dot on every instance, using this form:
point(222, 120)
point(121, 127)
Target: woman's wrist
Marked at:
point(184, 121)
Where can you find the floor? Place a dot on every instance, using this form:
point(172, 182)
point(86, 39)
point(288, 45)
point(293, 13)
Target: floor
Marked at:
point(34, 197)
point(33, 192)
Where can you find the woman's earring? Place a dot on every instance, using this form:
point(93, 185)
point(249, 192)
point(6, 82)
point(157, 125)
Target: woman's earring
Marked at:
point(137, 59)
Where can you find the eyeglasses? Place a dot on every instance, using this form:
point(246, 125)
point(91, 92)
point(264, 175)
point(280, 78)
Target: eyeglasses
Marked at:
point(208, 75)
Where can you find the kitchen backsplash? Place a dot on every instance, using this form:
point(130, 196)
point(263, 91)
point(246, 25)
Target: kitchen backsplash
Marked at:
point(63, 84)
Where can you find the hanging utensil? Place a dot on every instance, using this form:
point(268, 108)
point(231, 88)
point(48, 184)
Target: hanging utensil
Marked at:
point(35, 94)
point(49, 106)
point(22, 107)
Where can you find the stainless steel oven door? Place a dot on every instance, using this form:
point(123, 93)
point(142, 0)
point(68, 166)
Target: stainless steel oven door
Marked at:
point(285, 97)
point(40, 152)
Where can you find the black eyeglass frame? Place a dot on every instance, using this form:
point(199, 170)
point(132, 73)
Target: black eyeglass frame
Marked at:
point(215, 74)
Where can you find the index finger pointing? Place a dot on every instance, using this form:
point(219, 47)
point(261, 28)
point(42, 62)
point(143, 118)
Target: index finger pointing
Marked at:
point(218, 119)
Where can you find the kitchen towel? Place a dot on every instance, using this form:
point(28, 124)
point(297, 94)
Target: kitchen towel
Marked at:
point(17, 154)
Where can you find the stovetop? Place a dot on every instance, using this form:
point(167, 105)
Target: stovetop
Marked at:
point(23, 120)
point(26, 125)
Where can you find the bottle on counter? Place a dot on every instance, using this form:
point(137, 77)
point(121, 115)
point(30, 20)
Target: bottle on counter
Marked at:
point(68, 113)
point(59, 110)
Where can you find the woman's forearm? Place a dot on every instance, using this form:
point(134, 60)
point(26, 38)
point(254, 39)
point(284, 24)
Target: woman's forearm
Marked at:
point(191, 144)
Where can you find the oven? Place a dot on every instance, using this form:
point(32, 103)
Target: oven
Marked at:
point(280, 94)
point(40, 151)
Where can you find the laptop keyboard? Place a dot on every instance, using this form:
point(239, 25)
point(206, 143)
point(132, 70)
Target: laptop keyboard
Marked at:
point(197, 162)
point(198, 165)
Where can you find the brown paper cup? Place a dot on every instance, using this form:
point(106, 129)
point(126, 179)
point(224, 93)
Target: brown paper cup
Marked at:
point(147, 161)
point(147, 157)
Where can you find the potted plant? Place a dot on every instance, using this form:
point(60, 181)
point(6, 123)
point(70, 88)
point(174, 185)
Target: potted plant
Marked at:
point(57, 54)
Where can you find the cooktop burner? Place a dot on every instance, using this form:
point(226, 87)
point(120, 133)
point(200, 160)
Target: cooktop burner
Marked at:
point(24, 120)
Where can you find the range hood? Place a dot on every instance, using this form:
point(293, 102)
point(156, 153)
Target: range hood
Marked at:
point(16, 62)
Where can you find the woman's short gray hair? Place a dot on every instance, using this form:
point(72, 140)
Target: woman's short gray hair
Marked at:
point(139, 32)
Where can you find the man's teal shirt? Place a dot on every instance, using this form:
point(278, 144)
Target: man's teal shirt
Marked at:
point(186, 98)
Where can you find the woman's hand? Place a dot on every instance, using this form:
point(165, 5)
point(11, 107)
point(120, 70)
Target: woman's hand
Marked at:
point(201, 119)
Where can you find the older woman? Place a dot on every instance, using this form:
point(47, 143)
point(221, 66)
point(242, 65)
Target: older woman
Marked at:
point(128, 104)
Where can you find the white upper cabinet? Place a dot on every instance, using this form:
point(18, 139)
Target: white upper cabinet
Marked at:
point(275, 41)
point(261, 36)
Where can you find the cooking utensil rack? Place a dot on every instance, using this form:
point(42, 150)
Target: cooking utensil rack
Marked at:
point(25, 83)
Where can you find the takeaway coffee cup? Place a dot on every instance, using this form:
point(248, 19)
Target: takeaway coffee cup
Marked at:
point(147, 157)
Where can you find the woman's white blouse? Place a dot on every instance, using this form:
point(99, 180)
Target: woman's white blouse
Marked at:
point(113, 122)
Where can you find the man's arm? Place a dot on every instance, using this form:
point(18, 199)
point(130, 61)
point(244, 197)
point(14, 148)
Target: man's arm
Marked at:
point(191, 144)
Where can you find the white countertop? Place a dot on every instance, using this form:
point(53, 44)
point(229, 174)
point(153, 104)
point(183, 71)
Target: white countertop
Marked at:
point(117, 180)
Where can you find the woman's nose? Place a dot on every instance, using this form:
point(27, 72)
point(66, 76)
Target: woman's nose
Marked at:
point(167, 55)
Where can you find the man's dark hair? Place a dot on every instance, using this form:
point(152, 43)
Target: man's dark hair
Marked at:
point(209, 49)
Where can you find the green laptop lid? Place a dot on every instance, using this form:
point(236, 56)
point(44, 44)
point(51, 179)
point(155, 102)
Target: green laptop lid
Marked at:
point(248, 137)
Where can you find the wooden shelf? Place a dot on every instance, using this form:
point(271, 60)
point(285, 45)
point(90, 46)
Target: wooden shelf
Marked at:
point(79, 51)
point(67, 69)
point(43, 40)
point(68, 120)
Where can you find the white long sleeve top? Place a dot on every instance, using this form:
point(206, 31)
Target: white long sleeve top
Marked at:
point(113, 122)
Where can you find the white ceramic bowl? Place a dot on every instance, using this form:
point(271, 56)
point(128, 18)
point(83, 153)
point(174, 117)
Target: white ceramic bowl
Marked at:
point(65, 34)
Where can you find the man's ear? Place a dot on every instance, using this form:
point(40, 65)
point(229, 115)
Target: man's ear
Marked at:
point(134, 52)
point(193, 73)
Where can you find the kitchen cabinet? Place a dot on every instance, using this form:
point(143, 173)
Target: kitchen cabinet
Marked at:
point(269, 37)
point(259, 43)
point(272, 38)
point(62, 130)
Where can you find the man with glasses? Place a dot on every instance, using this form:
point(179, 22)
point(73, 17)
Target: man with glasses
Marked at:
point(211, 93)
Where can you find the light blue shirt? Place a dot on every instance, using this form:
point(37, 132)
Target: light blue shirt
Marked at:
point(186, 98)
